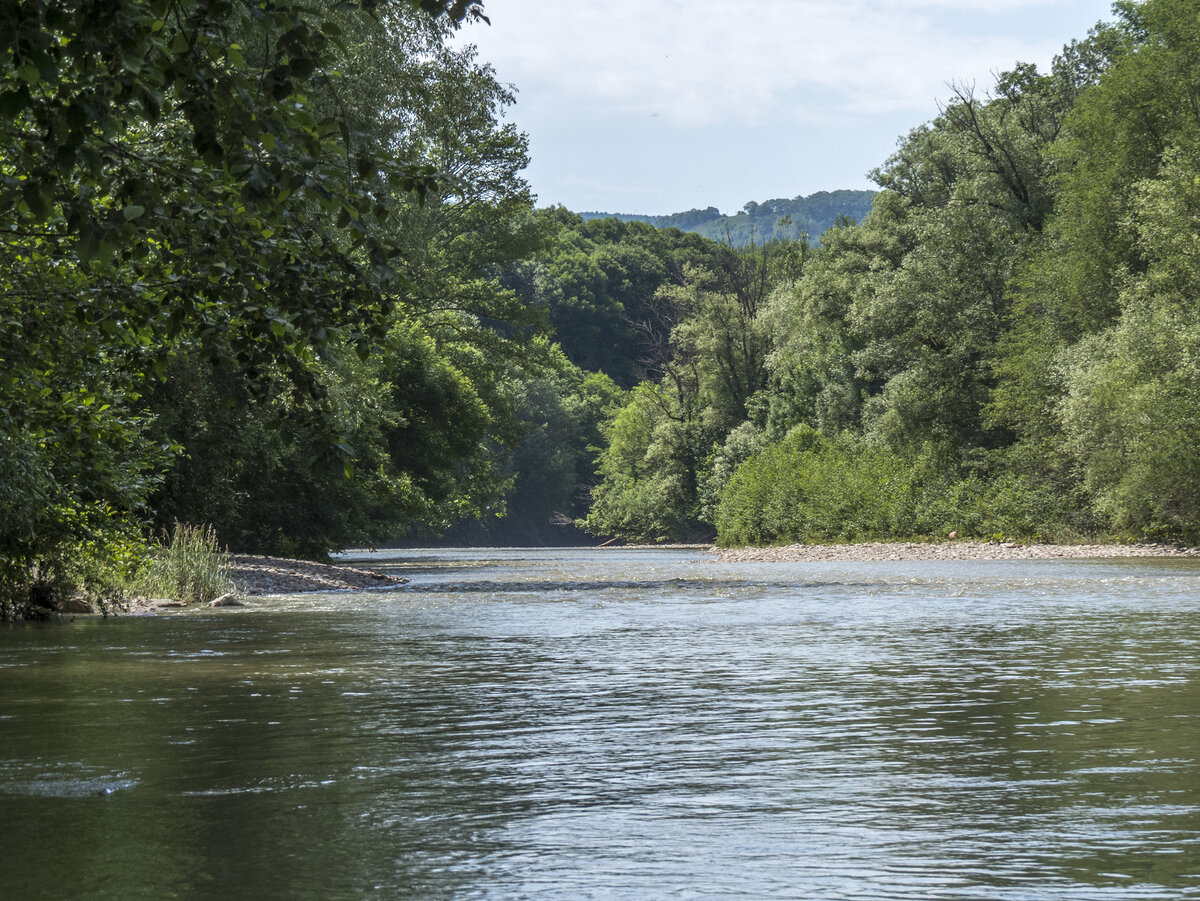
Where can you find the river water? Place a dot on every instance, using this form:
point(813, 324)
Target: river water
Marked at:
point(620, 724)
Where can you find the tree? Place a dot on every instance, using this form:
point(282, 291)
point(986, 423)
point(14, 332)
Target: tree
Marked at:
point(706, 357)
point(597, 281)
point(176, 177)
point(1131, 413)
point(814, 379)
point(893, 328)
point(1130, 89)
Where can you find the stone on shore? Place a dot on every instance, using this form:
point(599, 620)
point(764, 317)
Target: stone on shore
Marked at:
point(958, 550)
point(76, 604)
point(275, 575)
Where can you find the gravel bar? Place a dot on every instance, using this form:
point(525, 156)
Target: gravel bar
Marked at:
point(276, 575)
point(944, 550)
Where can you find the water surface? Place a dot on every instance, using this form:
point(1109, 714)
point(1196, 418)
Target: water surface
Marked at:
point(621, 724)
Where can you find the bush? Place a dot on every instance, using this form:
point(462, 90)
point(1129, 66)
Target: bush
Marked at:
point(810, 488)
point(191, 568)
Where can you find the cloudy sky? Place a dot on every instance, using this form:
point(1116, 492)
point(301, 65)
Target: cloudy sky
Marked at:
point(658, 106)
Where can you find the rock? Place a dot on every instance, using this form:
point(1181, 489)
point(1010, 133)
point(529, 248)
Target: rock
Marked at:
point(164, 603)
point(76, 604)
point(226, 600)
point(952, 535)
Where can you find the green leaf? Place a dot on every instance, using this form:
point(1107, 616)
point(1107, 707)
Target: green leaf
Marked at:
point(133, 211)
point(35, 199)
point(13, 102)
point(88, 245)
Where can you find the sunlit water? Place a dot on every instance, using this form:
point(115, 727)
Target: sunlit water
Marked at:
point(620, 724)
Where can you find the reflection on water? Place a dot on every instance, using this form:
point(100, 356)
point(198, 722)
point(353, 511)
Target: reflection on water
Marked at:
point(575, 724)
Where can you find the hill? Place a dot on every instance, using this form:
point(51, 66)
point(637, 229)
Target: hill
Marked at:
point(760, 222)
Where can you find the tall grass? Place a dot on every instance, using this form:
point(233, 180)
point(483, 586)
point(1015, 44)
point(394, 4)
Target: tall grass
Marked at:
point(191, 568)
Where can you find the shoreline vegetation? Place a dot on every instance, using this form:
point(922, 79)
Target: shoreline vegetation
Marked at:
point(247, 576)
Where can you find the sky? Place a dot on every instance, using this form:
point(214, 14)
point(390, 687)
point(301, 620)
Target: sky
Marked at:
point(660, 106)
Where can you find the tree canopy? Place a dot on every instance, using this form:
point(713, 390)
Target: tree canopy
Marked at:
point(1002, 346)
point(205, 211)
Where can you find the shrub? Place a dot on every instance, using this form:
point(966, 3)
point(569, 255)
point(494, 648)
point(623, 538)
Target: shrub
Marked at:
point(810, 488)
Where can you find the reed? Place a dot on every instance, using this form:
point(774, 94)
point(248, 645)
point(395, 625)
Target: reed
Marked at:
point(191, 568)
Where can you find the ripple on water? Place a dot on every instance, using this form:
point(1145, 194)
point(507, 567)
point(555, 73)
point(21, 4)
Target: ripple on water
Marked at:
point(564, 724)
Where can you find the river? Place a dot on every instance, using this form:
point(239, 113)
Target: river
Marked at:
point(620, 724)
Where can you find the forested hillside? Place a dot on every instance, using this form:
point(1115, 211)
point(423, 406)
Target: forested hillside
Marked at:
point(1005, 345)
point(759, 223)
point(276, 270)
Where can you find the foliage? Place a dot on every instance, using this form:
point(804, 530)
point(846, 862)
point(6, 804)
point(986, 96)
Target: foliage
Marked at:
point(806, 488)
point(811, 488)
point(191, 568)
point(1131, 413)
point(707, 358)
point(276, 268)
point(1003, 346)
point(211, 212)
point(597, 281)
point(552, 468)
point(815, 340)
point(648, 469)
point(742, 442)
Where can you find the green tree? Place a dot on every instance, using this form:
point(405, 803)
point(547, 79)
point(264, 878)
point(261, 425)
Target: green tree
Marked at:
point(173, 179)
point(422, 425)
point(814, 379)
point(1131, 414)
point(597, 281)
point(707, 350)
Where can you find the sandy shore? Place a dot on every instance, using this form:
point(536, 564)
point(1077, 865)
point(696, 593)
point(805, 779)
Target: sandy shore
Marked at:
point(944, 550)
point(276, 575)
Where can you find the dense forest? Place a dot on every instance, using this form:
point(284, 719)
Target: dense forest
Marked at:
point(1004, 346)
point(275, 269)
point(759, 223)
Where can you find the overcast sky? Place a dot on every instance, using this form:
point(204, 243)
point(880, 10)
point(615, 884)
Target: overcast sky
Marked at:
point(658, 106)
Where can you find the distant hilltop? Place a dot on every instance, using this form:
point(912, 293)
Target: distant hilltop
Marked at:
point(759, 222)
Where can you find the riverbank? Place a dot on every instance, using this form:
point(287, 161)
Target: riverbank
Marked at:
point(257, 576)
point(277, 575)
point(260, 575)
point(944, 550)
